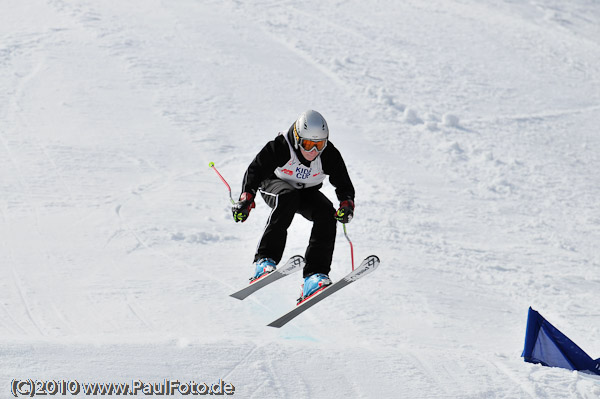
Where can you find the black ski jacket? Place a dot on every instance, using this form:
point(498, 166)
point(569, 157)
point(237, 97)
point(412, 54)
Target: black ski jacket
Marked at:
point(276, 153)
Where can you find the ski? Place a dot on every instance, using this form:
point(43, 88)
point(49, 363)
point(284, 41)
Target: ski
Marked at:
point(294, 264)
point(366, 267)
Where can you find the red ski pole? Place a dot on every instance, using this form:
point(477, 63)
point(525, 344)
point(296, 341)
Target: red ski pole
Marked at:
point(351, 246)
point(212, 165)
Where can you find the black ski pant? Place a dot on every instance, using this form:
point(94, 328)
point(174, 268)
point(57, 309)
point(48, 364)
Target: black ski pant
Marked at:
point(311, 203)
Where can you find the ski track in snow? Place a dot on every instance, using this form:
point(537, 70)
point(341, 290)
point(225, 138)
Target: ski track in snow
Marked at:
point(468, 129)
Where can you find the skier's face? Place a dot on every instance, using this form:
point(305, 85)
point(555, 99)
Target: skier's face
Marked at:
point(309, 155)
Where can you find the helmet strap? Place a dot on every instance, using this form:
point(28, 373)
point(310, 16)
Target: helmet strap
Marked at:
point(296, 137)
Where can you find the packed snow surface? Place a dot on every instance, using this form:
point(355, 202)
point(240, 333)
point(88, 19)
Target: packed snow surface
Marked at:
point(469, 128)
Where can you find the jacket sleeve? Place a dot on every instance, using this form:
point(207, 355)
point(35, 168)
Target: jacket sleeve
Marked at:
point(274, 154)
point(334, 166)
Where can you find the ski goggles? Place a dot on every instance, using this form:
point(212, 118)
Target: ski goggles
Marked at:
point(308, 145)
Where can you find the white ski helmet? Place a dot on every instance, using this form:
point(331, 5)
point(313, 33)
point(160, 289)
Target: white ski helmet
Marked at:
point(310, 126)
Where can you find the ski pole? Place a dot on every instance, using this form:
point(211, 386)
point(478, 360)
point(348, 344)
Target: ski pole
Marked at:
point(212, 165)
point(351, 246)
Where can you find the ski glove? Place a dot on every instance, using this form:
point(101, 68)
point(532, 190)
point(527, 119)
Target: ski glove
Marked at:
point(345, 212)
point(242, 208)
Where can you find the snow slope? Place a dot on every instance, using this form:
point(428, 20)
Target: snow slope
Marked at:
point(470, 132)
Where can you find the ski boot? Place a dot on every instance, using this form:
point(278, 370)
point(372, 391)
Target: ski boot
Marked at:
point(313, 284)
point(263, 266)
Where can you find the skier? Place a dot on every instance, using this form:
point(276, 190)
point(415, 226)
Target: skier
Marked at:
point(288, 172)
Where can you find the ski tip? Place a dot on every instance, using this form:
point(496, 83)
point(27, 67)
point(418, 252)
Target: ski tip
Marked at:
point(211, 164)
point(372, 258)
